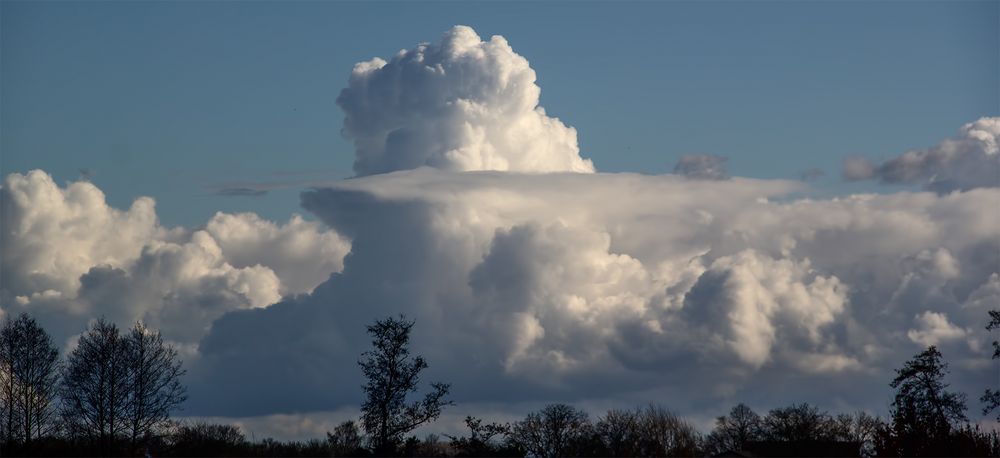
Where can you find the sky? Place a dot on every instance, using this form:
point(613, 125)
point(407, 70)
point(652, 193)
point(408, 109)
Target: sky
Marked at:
point(694, 203)
point(179, 100)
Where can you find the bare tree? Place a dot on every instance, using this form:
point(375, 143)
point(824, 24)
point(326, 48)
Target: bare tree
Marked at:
point(662, 433)
point(991, 398)
point(9, 343)
point(154, 387)
point(480, 440)
point(555, 431)
point(95, 386)
point(801, 422)
point(734, 431)
point(30, 363)
point(391, 375)
point(618, 431)
point(649, 431)
point(345, 440)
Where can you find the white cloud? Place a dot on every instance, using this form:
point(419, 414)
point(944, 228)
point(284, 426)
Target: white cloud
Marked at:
point(67, 257)
point(461, 104)
point(934, 328)
point(970, 160)
point(300, 252)
point(570, 283)
point(53, 235)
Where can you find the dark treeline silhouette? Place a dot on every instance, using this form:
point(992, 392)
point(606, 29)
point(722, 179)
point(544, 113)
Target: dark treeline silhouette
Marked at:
point(113, 395)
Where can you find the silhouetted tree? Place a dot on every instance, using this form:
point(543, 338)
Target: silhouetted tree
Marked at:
point(430, 446)
point(555, 431)
point(29, 363)
point(801, 422)
point(9, 341)
point(203, 439)
point(154, 387)
point(662, 433)
point(618, 430)
point(345, 440)
point(95, 387)
point(480, 440)
point(991, 398)
point(924, 413)
point(734, 431)
point(391, 375)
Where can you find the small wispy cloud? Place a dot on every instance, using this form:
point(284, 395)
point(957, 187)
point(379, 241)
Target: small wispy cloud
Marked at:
point(702, 167)
point(252, 188)
point(241, 191)
point(812, 174)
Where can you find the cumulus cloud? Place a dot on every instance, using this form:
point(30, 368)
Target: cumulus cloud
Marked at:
point(461, 104)
point(934, 328)
point(67, 257)
point(702, 167)
point(967, 161)
point(300, 252)
point(561, 285)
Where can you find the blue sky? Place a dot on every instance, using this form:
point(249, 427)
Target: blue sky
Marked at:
point(170, 99)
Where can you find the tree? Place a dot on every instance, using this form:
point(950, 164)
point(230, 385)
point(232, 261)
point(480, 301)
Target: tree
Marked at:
point(10, 341)
point(661, 433)
point(924, 413)
point(391, 375)
point(618, 430)
point(30, 371)
point(204, 439)
point(345, 440)
point(95, 387)
point(555, 431)
point(154, 387)
point(801, 422)
point(991, 398)
point(860, 428)
point(735, 431)
point(480, 440)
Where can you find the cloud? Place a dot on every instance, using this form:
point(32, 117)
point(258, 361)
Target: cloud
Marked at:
point(559, 286)
point(67, 257)
point(857, 168)
point(461, 104)
point(241, 192)
point(812, 174)
point(967, 161)
point(702, 167)
point(529, 281)
point(300, 252)
point(934, 328)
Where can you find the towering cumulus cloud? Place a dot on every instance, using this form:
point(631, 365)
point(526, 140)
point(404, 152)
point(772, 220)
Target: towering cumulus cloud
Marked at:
point(970, 160)
point(461, 104)
point(527, 282)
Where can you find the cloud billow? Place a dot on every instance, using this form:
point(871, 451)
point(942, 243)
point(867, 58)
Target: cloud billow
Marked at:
point(461, 104)
point(67, 257)
point(550, 283)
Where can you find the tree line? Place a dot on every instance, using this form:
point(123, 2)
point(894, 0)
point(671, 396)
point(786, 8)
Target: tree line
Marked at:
point(114, 393)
